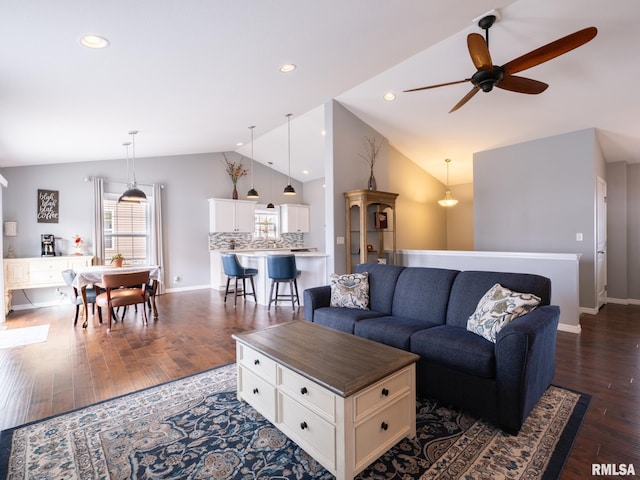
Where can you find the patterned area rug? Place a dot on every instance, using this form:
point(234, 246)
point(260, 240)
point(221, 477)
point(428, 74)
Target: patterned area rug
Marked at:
point(195, 428)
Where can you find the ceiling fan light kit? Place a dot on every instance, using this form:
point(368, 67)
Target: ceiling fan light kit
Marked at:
point(489, 75)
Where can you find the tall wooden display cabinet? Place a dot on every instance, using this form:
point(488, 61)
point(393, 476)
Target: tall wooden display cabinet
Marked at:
point(370, 227)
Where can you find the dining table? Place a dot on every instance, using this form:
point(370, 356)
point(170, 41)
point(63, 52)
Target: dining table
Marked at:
point(92, 275)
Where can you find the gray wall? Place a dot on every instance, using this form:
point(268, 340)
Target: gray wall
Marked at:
point(535, 197)
point(617, 241)
point(345, 170)
point(314, 193)
point(189, 181)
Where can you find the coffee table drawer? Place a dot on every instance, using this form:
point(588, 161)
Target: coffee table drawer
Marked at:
point(258, 393)
point(381, 393)
point(307, 392)
point(380, 432)
point(257, 363)
point(307, 429)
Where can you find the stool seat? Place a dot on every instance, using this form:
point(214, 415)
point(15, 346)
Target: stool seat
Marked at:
point(233, 269)
point(282, 269)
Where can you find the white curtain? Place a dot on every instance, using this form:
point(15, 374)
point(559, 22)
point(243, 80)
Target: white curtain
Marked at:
point(98, 220)
point(157, 257)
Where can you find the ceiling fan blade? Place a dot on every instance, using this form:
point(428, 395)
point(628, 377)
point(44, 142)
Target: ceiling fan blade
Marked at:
point(521, 85)
point(550, 50)
point(438, 85)
point(479, 52)
point(465, 99)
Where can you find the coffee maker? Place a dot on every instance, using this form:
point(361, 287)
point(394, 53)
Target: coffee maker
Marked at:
point(47, 244)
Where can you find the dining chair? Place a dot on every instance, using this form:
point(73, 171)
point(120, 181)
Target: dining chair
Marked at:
point(122, 289)
point(92, 292)
point(282, 269)
point(233, 269)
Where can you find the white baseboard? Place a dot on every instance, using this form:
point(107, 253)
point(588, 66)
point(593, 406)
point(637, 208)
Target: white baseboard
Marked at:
point(187, 289)
point(623, 301)
point(29, 306)
point(588, 311)
point(563, 327)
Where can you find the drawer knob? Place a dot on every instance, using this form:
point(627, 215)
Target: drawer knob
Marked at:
point(304, 425)
point(304, 390)
point(384, 426)
point(255, 390)
point(385, 392)
point(256, 362)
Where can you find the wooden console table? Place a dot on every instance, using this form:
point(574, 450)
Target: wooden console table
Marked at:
point(38, 272)
point(344, 399)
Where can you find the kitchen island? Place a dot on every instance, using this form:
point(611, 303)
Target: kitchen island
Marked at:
point(312, 266)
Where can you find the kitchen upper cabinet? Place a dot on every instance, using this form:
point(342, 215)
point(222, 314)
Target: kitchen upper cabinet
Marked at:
point(235, 216)
point(294, 218)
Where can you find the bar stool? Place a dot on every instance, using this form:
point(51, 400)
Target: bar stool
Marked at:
point(282, 268)
point(233, 269)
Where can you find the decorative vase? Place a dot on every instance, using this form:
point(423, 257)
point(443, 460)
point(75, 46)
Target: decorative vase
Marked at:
point(234, 195)
point(372, 181)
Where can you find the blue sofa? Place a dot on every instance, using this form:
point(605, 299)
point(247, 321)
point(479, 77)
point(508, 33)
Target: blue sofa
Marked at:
point(425, 311)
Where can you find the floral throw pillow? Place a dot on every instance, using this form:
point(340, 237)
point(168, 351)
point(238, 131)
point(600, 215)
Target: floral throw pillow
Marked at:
point(350, 290)
point(497, 308)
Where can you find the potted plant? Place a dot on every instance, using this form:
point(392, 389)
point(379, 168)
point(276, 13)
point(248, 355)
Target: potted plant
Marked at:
point(117, 260)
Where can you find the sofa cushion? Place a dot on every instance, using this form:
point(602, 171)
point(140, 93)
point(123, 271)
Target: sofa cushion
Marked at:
point(423, 293)
point(343, 319)
point(393, 331)
point(350, 290)
point(470, 286)
point(456, 348)
point(497, 308)
point(382, 284)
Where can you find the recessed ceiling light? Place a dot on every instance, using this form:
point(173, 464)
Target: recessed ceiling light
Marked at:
point(389, 96)
point(305, 172)
point(323, 133)
point(287, 67)
point(239, 144)
point(94, 41)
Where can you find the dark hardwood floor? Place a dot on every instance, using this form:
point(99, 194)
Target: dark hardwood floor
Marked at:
point(77, 367)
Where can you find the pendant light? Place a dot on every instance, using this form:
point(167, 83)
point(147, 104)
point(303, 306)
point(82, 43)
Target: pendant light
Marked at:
point(252, 193)
point(270, 205)
point(133, 194)
point(289, 190)
point(448, 200)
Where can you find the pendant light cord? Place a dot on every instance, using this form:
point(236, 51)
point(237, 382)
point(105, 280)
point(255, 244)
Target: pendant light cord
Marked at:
point(289, 143)
point(133, 152)
point(251, 128)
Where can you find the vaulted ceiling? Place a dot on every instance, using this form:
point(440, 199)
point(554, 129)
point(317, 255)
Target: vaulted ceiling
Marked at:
point(193, 75)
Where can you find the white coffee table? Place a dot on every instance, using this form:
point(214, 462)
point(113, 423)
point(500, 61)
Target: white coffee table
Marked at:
point(344, 399)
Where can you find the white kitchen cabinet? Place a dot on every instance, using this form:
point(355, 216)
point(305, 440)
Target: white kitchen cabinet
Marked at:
point(234, 216)
point(294, 218)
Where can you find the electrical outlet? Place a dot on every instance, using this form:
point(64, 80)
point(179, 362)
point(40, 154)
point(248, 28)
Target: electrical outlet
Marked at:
point(579, 237)
point(340, 240)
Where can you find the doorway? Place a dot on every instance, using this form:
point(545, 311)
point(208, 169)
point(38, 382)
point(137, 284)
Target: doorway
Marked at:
point(601, 242)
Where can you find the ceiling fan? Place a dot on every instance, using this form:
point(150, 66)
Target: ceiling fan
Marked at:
point(489, 75)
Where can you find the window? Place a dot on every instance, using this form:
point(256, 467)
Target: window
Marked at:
point(127, 230)
point(266, 224)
